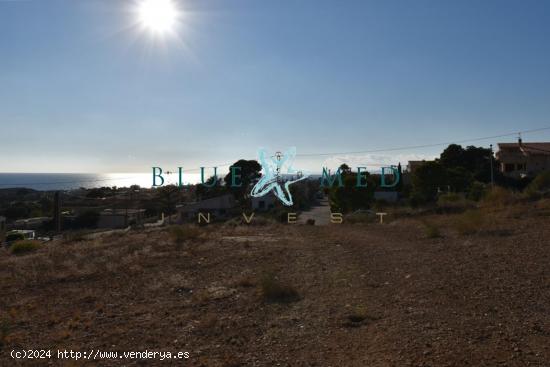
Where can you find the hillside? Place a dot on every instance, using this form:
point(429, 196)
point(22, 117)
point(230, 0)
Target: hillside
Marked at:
point(294, 295)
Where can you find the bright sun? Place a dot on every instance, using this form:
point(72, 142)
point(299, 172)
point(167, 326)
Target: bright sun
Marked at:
point(158, 16)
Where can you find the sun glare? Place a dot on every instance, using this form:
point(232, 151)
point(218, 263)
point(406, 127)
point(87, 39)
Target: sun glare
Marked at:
point(158, 16)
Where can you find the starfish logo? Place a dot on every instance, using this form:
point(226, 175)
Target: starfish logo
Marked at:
point(275, 168)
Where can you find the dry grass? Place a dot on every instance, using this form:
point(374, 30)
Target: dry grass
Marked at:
point(273, 290)
point(137, 291)
point(498, 198)
point(470, 222)
point(183, 233)
point(431, 229)
point(25, 247)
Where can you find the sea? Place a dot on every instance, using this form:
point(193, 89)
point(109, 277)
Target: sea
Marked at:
point(73, 181)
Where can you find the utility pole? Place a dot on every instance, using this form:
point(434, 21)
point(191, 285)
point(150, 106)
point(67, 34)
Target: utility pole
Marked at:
point(492, 175)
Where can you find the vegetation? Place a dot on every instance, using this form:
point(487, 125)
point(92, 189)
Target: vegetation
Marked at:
point(357, 317)
point(349, 197)
point(432, 230)
point(498, 197)
point(24, 247)
point(248, 172)
point(273, 290)
point(539, 186)
point(14, 236)
point(180, 234)
point(427, 181)
point(469, 222)
point(456, 170)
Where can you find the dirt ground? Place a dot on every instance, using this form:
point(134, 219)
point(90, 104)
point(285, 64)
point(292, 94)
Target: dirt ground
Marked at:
point(368, 294)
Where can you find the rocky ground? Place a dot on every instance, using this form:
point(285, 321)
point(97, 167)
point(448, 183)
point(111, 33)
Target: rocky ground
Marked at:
point(418, 291)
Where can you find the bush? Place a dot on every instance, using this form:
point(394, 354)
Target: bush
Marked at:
point(432, 231)
point(24, 247)
point(539, 185)
point(453, 202)
point(14, 236)
point(357, 317)
point(181, 234)
point(477, 191)
point(469, 222)
point(499, 197)
point(450, 197)
point(275, 291)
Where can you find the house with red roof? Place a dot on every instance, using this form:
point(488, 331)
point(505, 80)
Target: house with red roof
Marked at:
point(523, 159)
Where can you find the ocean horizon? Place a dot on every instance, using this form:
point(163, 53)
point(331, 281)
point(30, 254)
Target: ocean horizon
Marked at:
point(73, 181)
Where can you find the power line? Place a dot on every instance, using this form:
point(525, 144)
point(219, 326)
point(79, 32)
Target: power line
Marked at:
point(425, 145)
point(305, 155)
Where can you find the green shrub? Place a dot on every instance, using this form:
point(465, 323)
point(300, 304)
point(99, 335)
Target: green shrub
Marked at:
point(357, 317)
point(469, 222)
point(498, 197)
point(539, 185)
point(275, 291)
point(24, 247)
point(450, 197)
point(181, 234)
point(477, 191)
point(14, 236)
point(432, 230)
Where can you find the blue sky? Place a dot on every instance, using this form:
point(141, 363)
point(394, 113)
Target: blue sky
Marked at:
point(81, 90)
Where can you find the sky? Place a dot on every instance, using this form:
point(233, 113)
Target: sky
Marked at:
point(83, 88)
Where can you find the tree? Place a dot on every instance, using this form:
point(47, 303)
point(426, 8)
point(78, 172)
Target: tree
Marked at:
point(209, 189)
point(245, 173)
point(476, 160)
point(427, 179)
point(452, 156)
point(345, 169)
point(167, 197)
point(350, 197)
point(459, 179)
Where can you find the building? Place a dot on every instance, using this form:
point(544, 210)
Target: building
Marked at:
point(2, 229)
point(120, 218)
point(217, 206)
point(523, 159)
